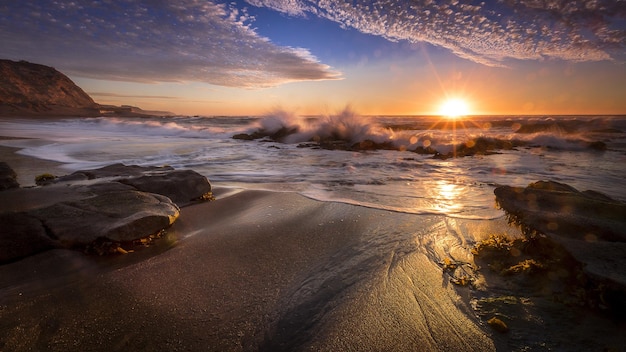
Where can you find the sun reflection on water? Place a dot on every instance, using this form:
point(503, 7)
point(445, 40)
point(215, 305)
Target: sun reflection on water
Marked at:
point(447, 196)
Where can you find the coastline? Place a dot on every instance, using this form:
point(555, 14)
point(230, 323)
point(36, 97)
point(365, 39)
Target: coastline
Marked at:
point(27, 167)
point(262, 270)
point(254, 270)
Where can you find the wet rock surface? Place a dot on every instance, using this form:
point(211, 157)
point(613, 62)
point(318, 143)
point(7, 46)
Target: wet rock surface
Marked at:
point(116, 203)
point(574, 247)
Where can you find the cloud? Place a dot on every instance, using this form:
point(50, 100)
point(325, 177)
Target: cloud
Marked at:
point(487, 32)
point(152, 41)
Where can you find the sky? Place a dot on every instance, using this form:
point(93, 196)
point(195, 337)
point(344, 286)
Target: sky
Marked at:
point(380, 57)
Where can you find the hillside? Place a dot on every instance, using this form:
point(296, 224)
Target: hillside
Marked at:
point(34, 90)
point(28, 89)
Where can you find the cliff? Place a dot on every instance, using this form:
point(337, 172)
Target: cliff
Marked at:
point(28, 89)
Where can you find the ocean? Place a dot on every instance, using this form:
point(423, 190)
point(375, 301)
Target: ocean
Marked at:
point(410, 164)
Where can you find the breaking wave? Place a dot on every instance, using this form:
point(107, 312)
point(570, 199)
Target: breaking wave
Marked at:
point(442, 138)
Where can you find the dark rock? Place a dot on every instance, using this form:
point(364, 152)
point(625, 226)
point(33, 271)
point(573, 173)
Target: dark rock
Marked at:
point(8, 177)
point(590, 226)
point(120, 170)
point(597, 145)
point(181, 186)
point(110, 205)
point(116, 216)
point(556, 208)
point(243, 136)
point(21, 236)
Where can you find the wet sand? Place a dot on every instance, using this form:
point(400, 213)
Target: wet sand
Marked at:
point(252, 271)
point(27, 168)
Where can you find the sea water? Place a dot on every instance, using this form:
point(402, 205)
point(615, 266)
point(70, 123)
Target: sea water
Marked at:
point(586, 152)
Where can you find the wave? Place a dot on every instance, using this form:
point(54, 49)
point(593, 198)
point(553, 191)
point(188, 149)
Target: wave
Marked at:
point(350, 131)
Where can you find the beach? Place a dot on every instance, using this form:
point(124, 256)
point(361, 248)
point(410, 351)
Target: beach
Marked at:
point(269, 271)
point(251, 271)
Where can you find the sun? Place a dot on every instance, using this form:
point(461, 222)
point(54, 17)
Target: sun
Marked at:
point(454, 108)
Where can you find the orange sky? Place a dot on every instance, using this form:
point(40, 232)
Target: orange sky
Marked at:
point(394, 88)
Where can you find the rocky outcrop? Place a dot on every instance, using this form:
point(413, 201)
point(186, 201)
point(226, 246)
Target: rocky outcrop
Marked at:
point(114, 204)
point(552, 207)
point(588, 226)
point(36, 90)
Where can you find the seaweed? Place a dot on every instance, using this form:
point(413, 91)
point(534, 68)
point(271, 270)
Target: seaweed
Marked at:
point(44, 179)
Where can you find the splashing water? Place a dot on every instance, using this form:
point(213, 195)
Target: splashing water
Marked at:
point(400, 172)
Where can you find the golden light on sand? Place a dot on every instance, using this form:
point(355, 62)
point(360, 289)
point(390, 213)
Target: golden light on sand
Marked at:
point(453, 108)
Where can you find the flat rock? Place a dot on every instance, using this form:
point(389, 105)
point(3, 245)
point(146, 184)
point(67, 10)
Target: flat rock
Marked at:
point(559, 209)
point(116, 216)
point(21, 236)
point(119, 170)
point(181, 186)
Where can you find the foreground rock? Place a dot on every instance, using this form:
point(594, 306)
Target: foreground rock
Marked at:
point(588, 228)
point(116, 204)
point(119, 216)
point(556, 208)
point(8, 177)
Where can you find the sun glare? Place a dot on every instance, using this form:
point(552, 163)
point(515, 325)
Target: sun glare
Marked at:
point(453, 108)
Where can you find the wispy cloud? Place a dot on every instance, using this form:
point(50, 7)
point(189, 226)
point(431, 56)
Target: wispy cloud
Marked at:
point(151, 41)
point(487, 32)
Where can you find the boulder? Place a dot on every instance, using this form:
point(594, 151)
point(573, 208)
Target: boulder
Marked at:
point(112, 204)
point(556, 208)
point(589, 226)
point(181, 186)
point(116, 216)
point(21, 236)
point(8, 177)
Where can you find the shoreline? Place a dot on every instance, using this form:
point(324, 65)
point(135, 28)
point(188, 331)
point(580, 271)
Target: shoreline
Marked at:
point(267, 270)
point(256, 270)
point(28, 167)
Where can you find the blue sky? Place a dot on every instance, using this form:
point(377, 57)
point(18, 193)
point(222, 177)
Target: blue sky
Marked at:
point(380, 56)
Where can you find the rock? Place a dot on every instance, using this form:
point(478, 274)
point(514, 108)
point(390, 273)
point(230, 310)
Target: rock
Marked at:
point(21, 236)
point(8, 177)
point(556, 208)
point(117, 216)
point(181, 186)
point(243, 136)
point(589, 226)
point(120, 170)
point(115, 203)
